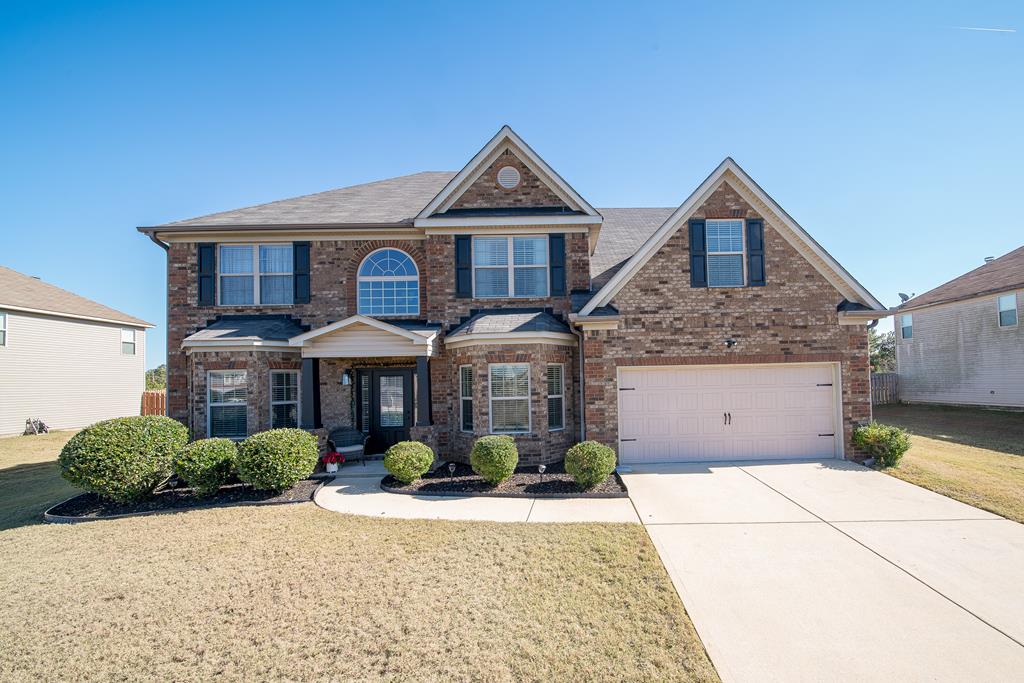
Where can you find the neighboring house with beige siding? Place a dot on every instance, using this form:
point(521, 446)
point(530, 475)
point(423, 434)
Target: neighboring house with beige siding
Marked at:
point(64, 359)
point(962, 342)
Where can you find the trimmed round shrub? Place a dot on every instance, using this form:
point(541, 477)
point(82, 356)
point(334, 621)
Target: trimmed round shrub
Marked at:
point(589, 463)
point(494, 458)
point(277, 459)
point(206, 464)
point(123, 459)
point(407, 461)
point(885, 443)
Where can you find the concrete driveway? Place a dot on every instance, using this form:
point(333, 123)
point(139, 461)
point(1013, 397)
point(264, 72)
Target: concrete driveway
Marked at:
point(814, 571)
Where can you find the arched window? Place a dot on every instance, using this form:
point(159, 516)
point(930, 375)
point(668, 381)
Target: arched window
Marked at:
point(389, 284)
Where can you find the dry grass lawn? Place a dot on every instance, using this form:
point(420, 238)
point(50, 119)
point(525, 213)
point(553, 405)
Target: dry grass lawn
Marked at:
point(298, 593)
point(975, 456)
point(29, 479)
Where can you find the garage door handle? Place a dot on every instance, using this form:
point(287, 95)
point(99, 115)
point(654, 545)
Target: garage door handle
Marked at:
point(627, 440)
point(730, 418)
point(725, 418)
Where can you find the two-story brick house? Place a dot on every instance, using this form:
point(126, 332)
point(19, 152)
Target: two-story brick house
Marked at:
point(446, 306)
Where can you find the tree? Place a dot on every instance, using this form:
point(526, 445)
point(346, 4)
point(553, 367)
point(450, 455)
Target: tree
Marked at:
point(156, 379)
point(882, 350)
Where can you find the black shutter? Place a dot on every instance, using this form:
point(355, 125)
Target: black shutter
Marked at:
point(463, 267)
point(698, 254)
point(755, 253)
point(300, 272)
point(207, 273)
point(556, 254)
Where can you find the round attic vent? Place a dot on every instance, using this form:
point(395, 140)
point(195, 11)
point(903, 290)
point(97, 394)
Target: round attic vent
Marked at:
point(508, 177)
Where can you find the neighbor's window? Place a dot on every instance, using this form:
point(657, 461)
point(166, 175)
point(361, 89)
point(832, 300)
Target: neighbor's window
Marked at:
point(1008, 310)
point(510, 398)
point(127, 342)
point(226, 404)
point(3, 329)
point(466, 397)
point(907, 326)
point(510, 266)
point(556, 397)
point(284, 399)
point(725, 252)
point(255, 273)
point(389, 284)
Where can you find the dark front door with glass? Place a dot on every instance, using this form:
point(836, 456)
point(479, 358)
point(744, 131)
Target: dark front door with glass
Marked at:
point(385, 400)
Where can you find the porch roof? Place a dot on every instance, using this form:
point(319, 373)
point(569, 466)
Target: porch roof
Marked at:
point(246, 330)
point(361, 336)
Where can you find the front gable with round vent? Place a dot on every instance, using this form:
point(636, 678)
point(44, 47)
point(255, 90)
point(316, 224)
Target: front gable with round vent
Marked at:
point(509, 177)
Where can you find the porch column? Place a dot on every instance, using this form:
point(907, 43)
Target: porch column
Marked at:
point(310, 418)
point(423, 392)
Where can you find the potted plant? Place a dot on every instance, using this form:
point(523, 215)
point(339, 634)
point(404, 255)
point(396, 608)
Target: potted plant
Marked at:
point(331, 461)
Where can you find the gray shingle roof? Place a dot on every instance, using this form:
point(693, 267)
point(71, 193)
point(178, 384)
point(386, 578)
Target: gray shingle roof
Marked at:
point(248, 328)
point(622, 234)
point(391, 202)
point(1001, 275)
point(501, 321)
point(23, 291)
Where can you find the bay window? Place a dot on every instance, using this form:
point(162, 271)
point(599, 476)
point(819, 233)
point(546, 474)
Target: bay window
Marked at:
point(284, 399)
point(227, 402)
point(251, 274)
point(515, 267)
point(510, 398)
point(466, 397)
point(556, 397)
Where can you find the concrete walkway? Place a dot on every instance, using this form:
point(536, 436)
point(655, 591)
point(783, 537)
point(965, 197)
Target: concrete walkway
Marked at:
point(356, 490)
point(813, 571)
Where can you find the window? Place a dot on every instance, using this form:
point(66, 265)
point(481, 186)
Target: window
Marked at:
point(510, 267)
point(127, 342)
point(284, 399)
point(3, 329)
point(556, 397)
point(227, 404)
point(725, 252)
point(466, 397)
point(1008, 310)
point(251, 273)
point(389, 284)
point(907, 326)
point(510, 398)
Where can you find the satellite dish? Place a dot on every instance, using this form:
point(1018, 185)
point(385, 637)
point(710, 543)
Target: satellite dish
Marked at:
point(903, 297)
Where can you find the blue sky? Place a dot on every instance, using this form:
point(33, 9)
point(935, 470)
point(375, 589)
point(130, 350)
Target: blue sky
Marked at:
point(892, 136)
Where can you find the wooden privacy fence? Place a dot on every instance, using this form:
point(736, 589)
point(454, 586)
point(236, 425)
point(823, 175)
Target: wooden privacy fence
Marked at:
point(154, 402)
point(885, 388)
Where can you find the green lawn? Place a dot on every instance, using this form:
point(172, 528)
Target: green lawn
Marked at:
point(973, 455)
point(297, 593)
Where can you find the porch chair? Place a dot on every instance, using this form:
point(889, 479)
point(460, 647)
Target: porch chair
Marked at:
point(349, 442)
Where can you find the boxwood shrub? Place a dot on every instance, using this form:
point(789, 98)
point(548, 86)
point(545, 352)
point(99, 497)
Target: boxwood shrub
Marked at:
point(886, 443)
point(589, 463)
point(206, 464)
point(494, 458)
point(277, 459)
point(407, 461)
point(123, 459)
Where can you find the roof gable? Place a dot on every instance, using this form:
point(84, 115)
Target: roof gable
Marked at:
point(1003, 274)
point(730, 172)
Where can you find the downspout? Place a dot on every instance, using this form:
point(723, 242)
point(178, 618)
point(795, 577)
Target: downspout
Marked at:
point(583, 407)
point(167, 312)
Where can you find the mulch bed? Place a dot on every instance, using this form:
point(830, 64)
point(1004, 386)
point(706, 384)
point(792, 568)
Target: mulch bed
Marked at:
point(91, 506)
point(526, 482)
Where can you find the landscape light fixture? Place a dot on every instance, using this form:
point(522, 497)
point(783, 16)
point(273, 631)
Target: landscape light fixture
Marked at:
point(730, 342)
point(540, 469)
point(451, 470)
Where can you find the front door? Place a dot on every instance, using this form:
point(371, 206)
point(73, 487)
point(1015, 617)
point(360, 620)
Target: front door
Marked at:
point(385, 398)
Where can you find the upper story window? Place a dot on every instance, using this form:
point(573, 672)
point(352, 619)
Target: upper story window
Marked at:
point(907, 326)
point(1008, 310)
point(725, 253)
point(389, 284)
point(3, 329)
point(251, 274)
point(127, 341)
point(510, 267)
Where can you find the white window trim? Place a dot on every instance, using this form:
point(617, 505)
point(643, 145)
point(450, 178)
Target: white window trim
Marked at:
point(3, 328)
point(463, 398)
point(210, 404)
point(491, 399)
point(134, 342)
point(1015, 309)
point(560, 395)
point(511, 267)
point(298, 396)
point(388, 278)
point(255, 274)
point(742, 253)
point(911, 325)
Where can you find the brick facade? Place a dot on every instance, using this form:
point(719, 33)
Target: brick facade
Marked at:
point(486, 193)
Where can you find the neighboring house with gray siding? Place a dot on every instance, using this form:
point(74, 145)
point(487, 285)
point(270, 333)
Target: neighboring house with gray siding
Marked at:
point(962, 342)
point(64, 359)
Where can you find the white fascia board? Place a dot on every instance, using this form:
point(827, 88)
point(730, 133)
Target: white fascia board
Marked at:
point(556, 338)
point(486, 221)
point(603, 322)
point(235, 345)
point(415, 337)
point(90, 318)
point(482, 160)
point(260, 236)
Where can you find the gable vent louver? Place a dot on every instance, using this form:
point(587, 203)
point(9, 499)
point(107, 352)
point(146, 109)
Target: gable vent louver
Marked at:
point(508, 177)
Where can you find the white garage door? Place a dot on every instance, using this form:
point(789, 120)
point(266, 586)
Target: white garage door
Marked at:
point(727, 412)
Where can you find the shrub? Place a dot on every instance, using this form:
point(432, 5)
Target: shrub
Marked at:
point(206, 464)
point(407, 461)
point(277, 459)
point(123, 459)
point(887, 444)
point(494, 458)
point(589, 463)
